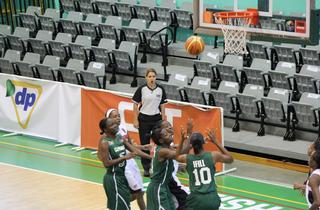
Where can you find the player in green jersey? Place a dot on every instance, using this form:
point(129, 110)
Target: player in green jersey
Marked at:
point(201, 170)
point(158, 192)
point(112, 152)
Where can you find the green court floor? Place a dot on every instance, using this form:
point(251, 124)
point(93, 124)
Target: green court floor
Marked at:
point(236, 193)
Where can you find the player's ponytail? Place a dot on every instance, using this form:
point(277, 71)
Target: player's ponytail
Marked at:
point(102, 125)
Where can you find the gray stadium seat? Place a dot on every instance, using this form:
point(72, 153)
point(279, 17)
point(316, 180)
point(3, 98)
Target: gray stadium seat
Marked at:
point(126, 60)
point(9, 58)
point(58, 47)
point(308, 79)
point(79, 48)
point(178, 79)
point(164, 9)
point(18, 40)
point(39, 44)
point(110, 28)
point(258, 50)
point(123, 8)
point(103, 7)
point(154, 42)
point(204, 66)
point(29, 19)
point(70, 23)
point(303, 114)
point(246, 104)
point(4, 31)
point(84, 6)
point(89, 26)
point(24, 67)
point(273, 108)
point(255, 73)
point(184, 15)
point(234, 60)
point(132, 31)
point(94, 76)
point(198, 91)
point(284, 52)
point(174, 85)
point(70, 73)
point(49, 20)
point(282, 75)
point(101, 51)
point(142, 10)
point(48, 68)
point(222, 96)
point(67, 5)
point(310, 55)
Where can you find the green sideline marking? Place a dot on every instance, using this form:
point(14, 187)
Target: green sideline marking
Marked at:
point(236, 193)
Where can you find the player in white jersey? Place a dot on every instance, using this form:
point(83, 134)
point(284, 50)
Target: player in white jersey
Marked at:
point(132, 171)
point(313, 183)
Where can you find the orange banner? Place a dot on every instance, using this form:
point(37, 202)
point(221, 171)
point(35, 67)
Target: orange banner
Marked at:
point(95, 104)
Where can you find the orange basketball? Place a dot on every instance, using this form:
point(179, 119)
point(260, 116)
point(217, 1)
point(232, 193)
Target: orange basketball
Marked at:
point(194, 45)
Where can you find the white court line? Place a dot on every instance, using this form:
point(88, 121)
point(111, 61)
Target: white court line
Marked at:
point(50, 173)
point(263, 181)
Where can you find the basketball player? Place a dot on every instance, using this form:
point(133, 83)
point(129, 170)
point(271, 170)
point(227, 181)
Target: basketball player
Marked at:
point(132, 171)
point(313, 183)
point(158, 192)
point(112, 152)
point(201, 170)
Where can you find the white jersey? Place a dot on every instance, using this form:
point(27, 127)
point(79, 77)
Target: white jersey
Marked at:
point(132, 171)
point(308, 193)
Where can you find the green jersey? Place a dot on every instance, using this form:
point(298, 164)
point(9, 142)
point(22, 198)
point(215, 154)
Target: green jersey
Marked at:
point(201, 170)
point(162, 171)
point(116, 150)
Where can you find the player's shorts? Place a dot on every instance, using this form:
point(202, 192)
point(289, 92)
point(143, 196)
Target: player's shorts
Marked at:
point(118, 193)
point(159, 197)
point(208, 201)
point(133, 175)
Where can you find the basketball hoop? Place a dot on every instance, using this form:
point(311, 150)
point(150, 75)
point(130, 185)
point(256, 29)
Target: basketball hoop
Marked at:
point(235, 37)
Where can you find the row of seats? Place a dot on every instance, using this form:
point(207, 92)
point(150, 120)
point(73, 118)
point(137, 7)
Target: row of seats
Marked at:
point(285, 75)
point(166, 11)
point(50, 69)
point(253, 103)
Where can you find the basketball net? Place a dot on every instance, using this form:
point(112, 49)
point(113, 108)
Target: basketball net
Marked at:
point(234, 37)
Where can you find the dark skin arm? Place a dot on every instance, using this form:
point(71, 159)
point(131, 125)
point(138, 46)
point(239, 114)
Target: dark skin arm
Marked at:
point(135, 150)
point(179, 156)
point(103, 155)
point(314, 182)
point(224, 156)
point(166, 153)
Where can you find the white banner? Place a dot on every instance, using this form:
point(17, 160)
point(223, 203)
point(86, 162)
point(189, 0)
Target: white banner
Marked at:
point(40, 108)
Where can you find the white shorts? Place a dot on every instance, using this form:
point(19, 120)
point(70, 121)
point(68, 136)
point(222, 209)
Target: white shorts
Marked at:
point(133, 175)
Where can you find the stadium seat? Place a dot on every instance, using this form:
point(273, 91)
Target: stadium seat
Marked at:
point(71, 22)
point(125, 60)
point(144, 10)
point(29, 19)
point(49, 20)
point(103, 7)
point(110, 29)
point(6, 63)
point(308, 79)
point(163, 11)
point(258, 50)
point(70, 73)
point(89, 26)
point(184, 15)
point(123, 8)
point(94, 76)
point(281, 76)
point(39, 44)
point(174, 85)
point(286, 53)
point(101, 52)
point(84, 6)
point(310, 55)
point(245, 104)
point(198, 91)
point(67, 5)
point(79, 49)
point(48, 68)
point(131, 32)
point(18, 40)
point(4, 31)
point(255, 74)
point(58, 47)
point(24, 67)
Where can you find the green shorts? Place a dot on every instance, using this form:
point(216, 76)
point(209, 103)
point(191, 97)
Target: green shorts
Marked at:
point(159, 197)
point(117, 190)
point(208, 201)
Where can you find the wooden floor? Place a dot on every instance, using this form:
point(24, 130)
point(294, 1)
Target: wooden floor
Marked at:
point(25, 189)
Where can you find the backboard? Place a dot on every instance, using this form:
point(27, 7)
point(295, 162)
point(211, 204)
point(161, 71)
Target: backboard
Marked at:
point(292, 21)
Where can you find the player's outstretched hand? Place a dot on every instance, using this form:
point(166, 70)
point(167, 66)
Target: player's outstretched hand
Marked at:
point(183, 135)
point(212, 136)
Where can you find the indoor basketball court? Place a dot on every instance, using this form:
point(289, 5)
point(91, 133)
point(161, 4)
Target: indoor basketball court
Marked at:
point(247, 69)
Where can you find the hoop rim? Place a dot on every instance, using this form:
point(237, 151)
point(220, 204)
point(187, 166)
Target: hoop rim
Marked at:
point(250, 15)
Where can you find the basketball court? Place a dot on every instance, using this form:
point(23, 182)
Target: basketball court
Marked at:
point(36, 175)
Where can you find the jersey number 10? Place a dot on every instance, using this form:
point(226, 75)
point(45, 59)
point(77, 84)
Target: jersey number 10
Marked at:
point(202, 176)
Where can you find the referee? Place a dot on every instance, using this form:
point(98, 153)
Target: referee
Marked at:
point(149, 100)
